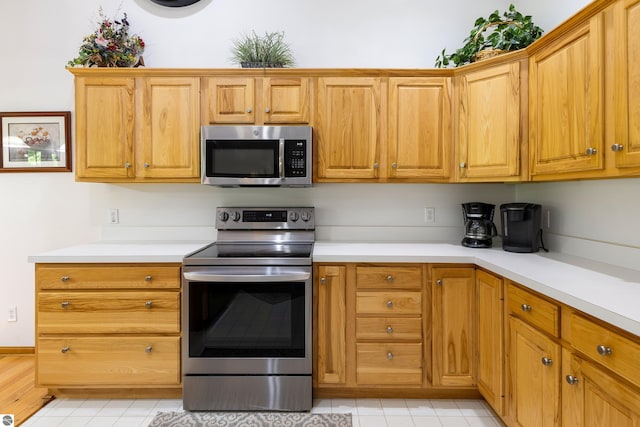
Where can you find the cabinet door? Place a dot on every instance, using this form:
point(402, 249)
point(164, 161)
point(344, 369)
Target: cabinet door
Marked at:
point(453, 326)
point(331, 325)
point(285, 99)
point(534, 380)
point(626, 74)
point(170, 136)
point(489, 137)
point(348, 131)
point(490, 344)
point(230, 99)
point(104, 127)
point(566, 103)
point(419, 141)
point(592, 398)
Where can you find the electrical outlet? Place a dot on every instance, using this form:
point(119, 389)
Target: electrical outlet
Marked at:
point(114, 217)
point(430, 215)
point(13, 314)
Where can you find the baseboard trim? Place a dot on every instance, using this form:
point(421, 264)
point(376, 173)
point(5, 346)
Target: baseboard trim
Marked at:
point(17, 350)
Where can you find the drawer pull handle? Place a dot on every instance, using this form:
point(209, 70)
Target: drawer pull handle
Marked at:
point(389, 330)
point(389, 355)
point(572, 380)
point(604, 350)
point(525, 307)
point(147, 278)
point(148, 304)
point(390, 304)
point(65, 349)
point(389, 278)
point(546, 361)
point(148, 349)
point(64, 304)
point(65, 278)
point(439, 282)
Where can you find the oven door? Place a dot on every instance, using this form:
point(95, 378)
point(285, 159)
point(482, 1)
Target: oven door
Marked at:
point(246, 320)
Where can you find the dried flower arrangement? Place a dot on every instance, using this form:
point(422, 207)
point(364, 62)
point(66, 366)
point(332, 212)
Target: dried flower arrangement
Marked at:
point(110, 46)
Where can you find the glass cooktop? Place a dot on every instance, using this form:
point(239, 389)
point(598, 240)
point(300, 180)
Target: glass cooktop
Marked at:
point(251, 254)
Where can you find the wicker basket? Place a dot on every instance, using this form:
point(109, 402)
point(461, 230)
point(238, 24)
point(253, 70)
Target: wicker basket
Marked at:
point(490, 52)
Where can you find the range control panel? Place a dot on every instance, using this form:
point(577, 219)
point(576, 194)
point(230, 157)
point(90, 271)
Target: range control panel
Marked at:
point(299, 218)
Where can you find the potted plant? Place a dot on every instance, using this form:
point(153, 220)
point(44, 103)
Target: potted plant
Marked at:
point(511, 31)
point(268, 51)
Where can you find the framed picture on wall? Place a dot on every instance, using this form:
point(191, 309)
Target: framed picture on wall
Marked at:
point(35, 142)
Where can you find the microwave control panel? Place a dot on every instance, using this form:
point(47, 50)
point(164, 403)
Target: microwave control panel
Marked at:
point(295, 158)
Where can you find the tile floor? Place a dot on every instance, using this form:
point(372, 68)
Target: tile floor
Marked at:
point(365, 412)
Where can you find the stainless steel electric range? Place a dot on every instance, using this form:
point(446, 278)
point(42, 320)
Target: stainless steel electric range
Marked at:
point(246, 305)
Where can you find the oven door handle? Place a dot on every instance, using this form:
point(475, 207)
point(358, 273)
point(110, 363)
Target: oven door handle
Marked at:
point(212, 277)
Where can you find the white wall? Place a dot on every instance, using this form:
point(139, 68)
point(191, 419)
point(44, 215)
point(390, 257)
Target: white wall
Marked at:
point(44, 211)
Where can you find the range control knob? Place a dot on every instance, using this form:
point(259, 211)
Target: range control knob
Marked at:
point(293, 216)
point(235, 216)
point(223, 216)
point(305, 216)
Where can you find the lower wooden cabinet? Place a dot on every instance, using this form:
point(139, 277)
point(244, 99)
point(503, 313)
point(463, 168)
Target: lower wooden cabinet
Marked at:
point(111, 326)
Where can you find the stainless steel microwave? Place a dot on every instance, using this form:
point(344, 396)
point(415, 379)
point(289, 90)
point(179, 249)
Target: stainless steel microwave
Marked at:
point(235, 156)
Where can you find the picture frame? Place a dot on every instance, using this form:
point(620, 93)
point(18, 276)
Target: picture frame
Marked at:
point(35, 141)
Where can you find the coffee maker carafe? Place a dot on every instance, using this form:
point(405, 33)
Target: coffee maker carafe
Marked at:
point(479, 229)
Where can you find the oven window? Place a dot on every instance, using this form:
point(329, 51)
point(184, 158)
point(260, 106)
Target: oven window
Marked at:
point(246, 319)
point(240, 159)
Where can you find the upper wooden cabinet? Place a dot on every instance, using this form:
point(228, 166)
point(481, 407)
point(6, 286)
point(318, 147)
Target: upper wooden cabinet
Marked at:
point(347, 133)
point(492, 122)
point(626, 81)
point(253, 100)
point(137, 129)
point(419, 142)
point(566, 102)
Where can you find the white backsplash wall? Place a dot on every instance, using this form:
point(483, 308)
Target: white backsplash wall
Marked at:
point(595, 219)
point(44, 211)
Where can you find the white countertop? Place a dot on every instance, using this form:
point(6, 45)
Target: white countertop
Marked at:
point(604, 291)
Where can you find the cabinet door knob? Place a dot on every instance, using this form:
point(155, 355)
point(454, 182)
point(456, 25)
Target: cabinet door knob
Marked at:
point(547, 361)
point(439, 282)
point(146, 165)
point(604, 350)
point(249, 110)
point(65, 349)
point(394, 166)
point(65, 278)
point(323, 280)
point(389, 355)
point(390, 304)
point(148, 349)
point(591, 151)
point(617, 147)
point(525, 307)
point(376, 166)
point(147, 278)
point(267, 110)
point(65, 304)
point(389, 278)
point(572, 380)
point(463, 165)
point(127, 165)
point(148, 304)
point(389, 330)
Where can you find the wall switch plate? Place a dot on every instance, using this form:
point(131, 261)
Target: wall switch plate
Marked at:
point(430, 215)
point(13, 314)
point(114, 217)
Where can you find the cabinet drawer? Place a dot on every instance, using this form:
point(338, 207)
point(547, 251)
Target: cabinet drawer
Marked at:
point(534, 310)
point(389, 328)
point(389, 303)
point(603, 345)
point(110, 276)
point(117, 361)
point(389, 364)
point(389, 277)
point(108, 312)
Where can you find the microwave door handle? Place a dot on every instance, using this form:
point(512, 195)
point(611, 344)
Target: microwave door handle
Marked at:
point(281, 158)
point(212, 277)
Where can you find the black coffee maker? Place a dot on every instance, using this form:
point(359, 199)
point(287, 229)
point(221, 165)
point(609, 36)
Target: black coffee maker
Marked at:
point(521, 231)
point(479, 229)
